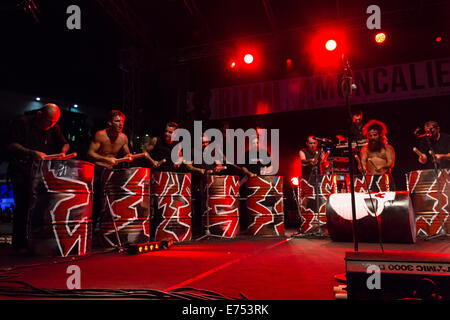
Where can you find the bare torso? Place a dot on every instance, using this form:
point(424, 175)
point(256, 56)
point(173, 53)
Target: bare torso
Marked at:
point(378, 162)
point(110, 146)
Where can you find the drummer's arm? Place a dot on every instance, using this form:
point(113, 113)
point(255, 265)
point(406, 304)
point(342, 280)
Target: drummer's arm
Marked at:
point(19, 149)
point(364, 158)
point(247, 172)
point(65, 148)
point(147, 148)
point(190, 167)
point(390, 158)
point(303, 159)
point(126, 149)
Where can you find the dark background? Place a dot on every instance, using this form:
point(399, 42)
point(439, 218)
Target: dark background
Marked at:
point(143, 57)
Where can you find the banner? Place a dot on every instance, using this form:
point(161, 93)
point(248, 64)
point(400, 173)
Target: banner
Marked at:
point(396, 82)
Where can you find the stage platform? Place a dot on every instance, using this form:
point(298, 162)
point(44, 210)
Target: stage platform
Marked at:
point(282, 268)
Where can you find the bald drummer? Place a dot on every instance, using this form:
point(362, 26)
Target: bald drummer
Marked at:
point(32, 137)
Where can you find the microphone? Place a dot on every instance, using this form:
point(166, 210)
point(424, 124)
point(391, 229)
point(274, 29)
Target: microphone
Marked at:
point(324, 140)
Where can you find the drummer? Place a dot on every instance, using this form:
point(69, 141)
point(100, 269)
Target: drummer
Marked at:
point(158, 151)
point(377, 156)
point(109, 142)
point(254, 166)
point(103, 151)
point(203, 167)
point(438, 142)
point(32, 137)
point(199, 173)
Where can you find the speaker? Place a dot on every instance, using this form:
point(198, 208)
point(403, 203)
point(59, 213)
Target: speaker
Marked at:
point(392, 212)
point(397, 276)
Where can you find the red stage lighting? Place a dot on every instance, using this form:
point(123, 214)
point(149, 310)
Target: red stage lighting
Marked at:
point(232, 64)
point(330, 45)
point(248, 58)
point(438, 39)
point(380, 37)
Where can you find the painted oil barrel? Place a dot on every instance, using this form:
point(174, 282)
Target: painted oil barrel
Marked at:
point(170, 196)
point(376, 183)
point(423, 191)
point(221, 216)
point(125, 195)
point(265, 206)
point(393, 210)
point(312, 207)
point(60, 212)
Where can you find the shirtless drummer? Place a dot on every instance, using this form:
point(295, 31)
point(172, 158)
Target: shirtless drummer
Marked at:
point(377, 157)
point(103, 151)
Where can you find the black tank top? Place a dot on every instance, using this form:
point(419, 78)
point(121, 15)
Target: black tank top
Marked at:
point(307, 170)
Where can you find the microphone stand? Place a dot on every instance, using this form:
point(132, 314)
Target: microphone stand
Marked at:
point(346, 87)
point(442, 232)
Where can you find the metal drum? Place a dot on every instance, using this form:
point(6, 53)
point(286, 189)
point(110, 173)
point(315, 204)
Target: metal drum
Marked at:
point(393, 209)
point(265, 206)
point(221, 216)
point(313, 208)
point(125, 196)
point(423, 191)
point(377, 183)
point(170, 195)
point(60, 212)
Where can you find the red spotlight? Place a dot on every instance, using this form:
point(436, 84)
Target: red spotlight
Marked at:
point(248, 58)
point(380, 37)
point(438, 39)
point(232, 64)
point(330, 45)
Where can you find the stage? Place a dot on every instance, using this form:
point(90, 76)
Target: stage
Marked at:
point(276, 268)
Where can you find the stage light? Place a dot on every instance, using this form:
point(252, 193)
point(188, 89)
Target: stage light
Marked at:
point(380, 37)
point(438, 39)
point(75, 106)
point(248, 58)
point(294, 181)
point(148, 247)
point(38, 99)
point(330, 45)
point(233, 65)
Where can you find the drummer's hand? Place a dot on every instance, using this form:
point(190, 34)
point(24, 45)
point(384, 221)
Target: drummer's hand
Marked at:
point(110, 160)
point(423, 158)
point(251, 175)
point(218, 169)
point(156, 164)
point(439, 156)
point(37, 155)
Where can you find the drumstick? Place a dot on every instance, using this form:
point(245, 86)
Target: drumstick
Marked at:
point(53, 156)
point(69, 156)
point(133, 156)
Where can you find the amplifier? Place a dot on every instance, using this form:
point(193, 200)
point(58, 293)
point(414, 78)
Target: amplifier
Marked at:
point(397, 276)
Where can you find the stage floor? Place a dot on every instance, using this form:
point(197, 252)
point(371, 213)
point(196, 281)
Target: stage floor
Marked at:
point(285, 268)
